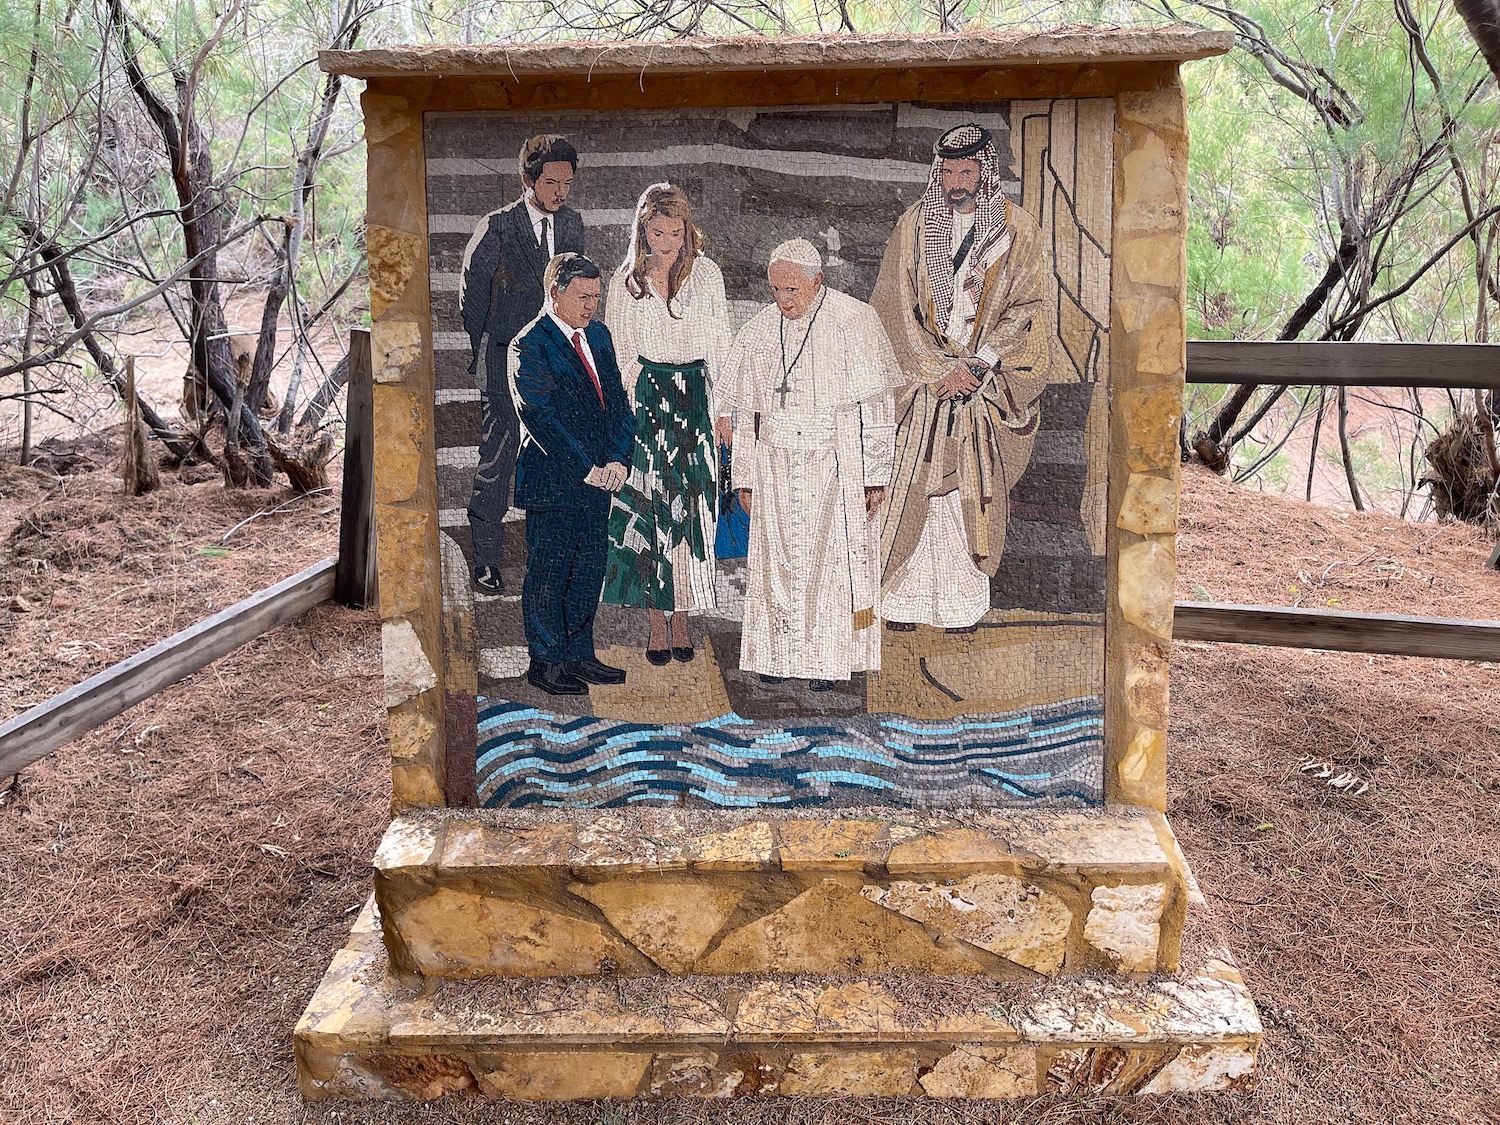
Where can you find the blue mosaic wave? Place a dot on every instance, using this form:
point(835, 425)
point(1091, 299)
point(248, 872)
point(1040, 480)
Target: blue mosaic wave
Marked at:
point(1050, 755)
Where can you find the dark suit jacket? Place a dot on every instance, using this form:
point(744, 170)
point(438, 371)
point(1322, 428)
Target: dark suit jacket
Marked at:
point(566, 431)
point(502, 283)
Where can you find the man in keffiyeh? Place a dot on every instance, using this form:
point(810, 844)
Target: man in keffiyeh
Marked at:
point(960, 294)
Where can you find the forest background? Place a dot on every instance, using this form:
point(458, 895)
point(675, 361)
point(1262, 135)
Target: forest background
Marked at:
point(179, 184)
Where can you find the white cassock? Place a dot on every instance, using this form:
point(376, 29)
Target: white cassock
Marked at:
point(814, 426)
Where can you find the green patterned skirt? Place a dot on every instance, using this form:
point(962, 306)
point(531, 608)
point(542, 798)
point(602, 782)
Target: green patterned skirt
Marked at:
point(663, 519)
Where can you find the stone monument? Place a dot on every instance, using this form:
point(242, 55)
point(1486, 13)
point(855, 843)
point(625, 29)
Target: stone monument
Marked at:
point(834, 763)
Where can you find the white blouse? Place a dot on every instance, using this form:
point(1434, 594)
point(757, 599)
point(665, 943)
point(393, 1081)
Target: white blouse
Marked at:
point(645, 328)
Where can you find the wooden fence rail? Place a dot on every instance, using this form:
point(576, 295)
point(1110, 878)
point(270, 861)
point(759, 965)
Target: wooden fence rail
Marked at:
point(34, 734)
point(1334, 364)
point(1393, 633)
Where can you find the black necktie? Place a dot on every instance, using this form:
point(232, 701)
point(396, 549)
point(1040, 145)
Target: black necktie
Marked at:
point(542, 242)
point(963, 251)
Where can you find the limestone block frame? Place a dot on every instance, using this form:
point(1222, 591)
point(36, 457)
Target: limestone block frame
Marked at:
point(430, 675)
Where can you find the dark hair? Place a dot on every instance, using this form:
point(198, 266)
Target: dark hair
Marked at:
point(545, 149)
point(564, 269)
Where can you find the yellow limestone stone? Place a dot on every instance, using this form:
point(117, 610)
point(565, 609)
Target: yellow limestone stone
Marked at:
point(1152, 417)
point(397, 346)
point(452, 933)
point(401, 554)
point(400, 428)
point(779, 1009)
point(1200, 1069)
point(831, 845)
point(393, 258)
point(563, 1075)
point(983, 1072)
point(1150, 505)
point(1005, 915)
point(1146, 748)
point(951, 850)
point(746, 848)
point(694, 1076)
point(831, 929)
point(1153, 260)
point(409, 732)
point(671, 923)
point(1148, 572)
point(1125, 922)
point(851, 1073)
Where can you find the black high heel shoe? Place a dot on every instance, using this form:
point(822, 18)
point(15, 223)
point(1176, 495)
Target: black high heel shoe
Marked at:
point(659, 656)
point(683, 653)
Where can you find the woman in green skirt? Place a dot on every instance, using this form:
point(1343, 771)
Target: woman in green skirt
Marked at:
point(670, 321)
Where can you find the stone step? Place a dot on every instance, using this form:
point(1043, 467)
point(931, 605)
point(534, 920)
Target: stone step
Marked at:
point(369, 1034)
point(1010, 896)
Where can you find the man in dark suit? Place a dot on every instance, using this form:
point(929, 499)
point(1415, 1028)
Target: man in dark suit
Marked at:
point(577, 431)
point(500, 293)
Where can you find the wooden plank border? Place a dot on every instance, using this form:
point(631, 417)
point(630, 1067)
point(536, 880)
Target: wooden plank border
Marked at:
point(1392, 633)
point(34, 734)
point(1334, 364)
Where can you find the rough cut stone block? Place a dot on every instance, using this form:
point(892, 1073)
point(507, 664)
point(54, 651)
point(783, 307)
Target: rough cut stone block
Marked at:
point(401, 558)
point(983, 1072)
point(830, 929)
point(842, 844)
point(563, 1075)
point(851, 1074)
point(1125, 922)
point(670, 922)
point(408, 672)
point(394, 257)
point(400, 428)
point(452, 933)
point(396, 346)
point(1148, 577)
point(696, 1076)
point(1150, 505)
point(1008, 916)
point(1205, 1069)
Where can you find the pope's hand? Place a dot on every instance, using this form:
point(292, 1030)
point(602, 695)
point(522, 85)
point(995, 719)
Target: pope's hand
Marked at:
point(874, 496)
point(724, 431)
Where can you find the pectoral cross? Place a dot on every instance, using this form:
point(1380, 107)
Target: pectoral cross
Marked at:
point(784, 390)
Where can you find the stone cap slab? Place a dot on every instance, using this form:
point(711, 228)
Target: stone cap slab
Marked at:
point(1117, 840)
point(1068, 46)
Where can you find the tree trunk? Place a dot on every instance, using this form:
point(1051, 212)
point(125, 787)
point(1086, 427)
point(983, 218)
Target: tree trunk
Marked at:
point(1482, 18)
point(1210, 445)
point(138, 468)
point(201, 222)
point(1346, 451)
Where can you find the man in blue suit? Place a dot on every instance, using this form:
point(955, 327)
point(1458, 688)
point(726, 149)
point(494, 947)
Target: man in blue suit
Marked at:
point(577, 431)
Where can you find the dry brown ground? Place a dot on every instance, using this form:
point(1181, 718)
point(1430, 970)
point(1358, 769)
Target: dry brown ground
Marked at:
point(174, 884)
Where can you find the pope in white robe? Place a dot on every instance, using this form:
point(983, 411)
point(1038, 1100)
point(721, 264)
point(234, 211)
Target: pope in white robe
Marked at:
point(810, 381)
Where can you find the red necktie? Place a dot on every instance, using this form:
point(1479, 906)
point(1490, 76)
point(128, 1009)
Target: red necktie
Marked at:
point(587, 366)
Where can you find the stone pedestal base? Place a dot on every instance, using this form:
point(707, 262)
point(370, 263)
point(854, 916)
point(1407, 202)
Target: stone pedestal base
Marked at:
point(369, 1034)
point(640, 892)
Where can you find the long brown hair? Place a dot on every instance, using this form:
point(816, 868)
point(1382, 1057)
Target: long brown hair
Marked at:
point(664, 202)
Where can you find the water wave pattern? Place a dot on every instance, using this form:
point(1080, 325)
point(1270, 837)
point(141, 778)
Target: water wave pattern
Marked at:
point(1050, 755)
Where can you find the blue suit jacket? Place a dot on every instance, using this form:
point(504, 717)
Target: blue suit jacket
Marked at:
point(566, 433)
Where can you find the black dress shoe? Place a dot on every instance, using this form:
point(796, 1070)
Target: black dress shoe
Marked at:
point(901, 626)
point(964, 629)
point(555, 679)
point(683, 653)
point(592, 671)
point(822, 685)
point(659, 656)
point(487, 580)
point(772, 680)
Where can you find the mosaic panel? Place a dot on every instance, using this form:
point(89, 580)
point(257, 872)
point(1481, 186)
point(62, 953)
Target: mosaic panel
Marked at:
point(869, 481)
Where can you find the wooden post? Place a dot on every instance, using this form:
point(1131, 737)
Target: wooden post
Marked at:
point(354, 579)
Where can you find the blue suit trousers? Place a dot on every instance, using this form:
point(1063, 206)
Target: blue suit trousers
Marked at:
point(567, 549)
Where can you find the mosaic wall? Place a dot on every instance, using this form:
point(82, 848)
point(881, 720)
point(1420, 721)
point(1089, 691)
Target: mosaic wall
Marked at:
point(842, 647)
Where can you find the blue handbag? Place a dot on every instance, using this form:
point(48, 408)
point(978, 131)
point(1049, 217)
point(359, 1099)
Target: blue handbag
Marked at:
point(732, 539)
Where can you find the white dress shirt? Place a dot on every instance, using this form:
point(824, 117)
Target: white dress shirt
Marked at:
point(537, 215)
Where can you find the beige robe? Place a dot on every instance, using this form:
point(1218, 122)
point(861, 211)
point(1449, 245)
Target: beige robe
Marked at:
point(971, 452)
point(807, 444)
